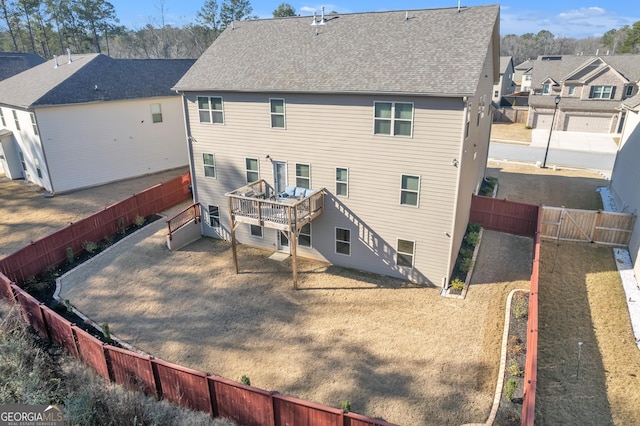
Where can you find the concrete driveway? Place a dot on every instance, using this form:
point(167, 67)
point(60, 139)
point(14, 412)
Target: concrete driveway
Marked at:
point(574, 141)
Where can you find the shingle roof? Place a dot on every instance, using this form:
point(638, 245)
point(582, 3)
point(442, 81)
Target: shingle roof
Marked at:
point(433, 52)
point(504, 63)
point(627, 65)
point(12, 63)
point(633, 102)
point(76, 82)
point(524, 66)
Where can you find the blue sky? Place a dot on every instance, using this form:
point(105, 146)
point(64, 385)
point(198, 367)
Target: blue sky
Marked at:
point(577, 19)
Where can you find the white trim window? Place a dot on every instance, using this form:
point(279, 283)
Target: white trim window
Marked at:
point(15, 119)
point(629, 91)
point(405, 253)
point(602, 92)
point(211, 109)
point(276, 107)
point(33, 123)
point(468, 120)
point(342, 181)
point(546, 88)
point(36, 162)
point(343, 241)
point(256, 231)
point(410, 190)
point(393, 118)
point(214, 216)
point(304, 236)
point(209, 164)
point(572, 90)
point(4, 122)
point(156, 113)
point(303, 175)
point(252, 168)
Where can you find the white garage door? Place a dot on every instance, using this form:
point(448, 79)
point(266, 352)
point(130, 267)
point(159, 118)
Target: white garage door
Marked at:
point(542, 121)
point(593, 124)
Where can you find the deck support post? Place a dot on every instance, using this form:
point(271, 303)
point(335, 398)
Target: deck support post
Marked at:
point(233, 236)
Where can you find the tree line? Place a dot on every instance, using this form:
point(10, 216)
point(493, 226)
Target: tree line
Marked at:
point(530, 46)
point(49, 27)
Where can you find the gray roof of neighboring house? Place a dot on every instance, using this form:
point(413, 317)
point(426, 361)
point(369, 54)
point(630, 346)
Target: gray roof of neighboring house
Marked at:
point(524, 66)
point(504, 63)
point(567, 103)
point(12, 63)
point(627, 65)
point(433, 52)
point(92, 78)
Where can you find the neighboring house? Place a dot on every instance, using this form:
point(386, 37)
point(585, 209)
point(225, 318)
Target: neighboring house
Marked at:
point(625, 179)
point(14, 63)
point(522, 76)
point(505, 85)
point(89, 119)
point(591, 89)
point(379, 147)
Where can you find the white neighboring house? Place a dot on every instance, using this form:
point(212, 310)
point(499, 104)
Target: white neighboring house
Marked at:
point(625, 179)
point(85, 120)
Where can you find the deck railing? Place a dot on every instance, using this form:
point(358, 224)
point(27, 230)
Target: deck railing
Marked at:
point(253, 203)
point(188, 215)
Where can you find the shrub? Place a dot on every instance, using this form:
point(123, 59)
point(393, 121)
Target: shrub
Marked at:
point(514, 346)
point(121, 225)
point(509, 389)
point(514, 369)
point(105, 332)
point(466, 264)
point(457, 284)
point(520, 307)
point(138, 221)
point(68, 305)
point(70, 256)
point(107, 242)
point(90, 246)
point(466, 252)
point(473, 227)
point(245, 380)
point(472, 238)
point(346, 406)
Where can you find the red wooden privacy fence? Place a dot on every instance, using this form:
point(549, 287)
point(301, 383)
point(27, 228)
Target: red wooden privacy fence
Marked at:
point(52, 249)
point(189, 388)
point(519, 219)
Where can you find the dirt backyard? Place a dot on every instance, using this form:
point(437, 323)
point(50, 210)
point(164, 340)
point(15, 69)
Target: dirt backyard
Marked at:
point(395, 351)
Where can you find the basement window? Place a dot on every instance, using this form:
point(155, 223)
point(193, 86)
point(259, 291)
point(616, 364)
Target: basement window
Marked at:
point(405, 250)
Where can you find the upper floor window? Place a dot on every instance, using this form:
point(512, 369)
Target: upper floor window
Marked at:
point(209, 162)
point(210, 110)
point(2, 120)
point(252, 169)
point(393, 118)
point(546, 88)
point(572, 90)
point(410, 189)
point(602, 92)
point(629, 91)
point(342, 181)
point(15, 119)
point(303, 175)
point(277, 113)
point(33, 123)
point(156, 113)
point(527, 78)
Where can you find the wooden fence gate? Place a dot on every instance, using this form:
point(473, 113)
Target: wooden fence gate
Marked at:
point(600, 227)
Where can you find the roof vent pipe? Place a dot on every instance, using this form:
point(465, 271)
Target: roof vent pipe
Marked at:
point(406, 15)
point(69, 53)
point(322, 21)
point(458, 6)
point(55, 61)
point(314, 19)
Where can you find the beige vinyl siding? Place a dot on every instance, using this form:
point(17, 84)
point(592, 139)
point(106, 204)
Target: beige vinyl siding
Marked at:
point(91, 144)
point(337, 131)
point(625, 180)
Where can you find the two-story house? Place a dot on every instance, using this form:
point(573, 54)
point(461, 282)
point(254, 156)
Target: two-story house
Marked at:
point(522, 76)
point(85, 120)
point(356, 139)
point(505, 85)
point(625, 178)
point(590, 90)
point(12, 63)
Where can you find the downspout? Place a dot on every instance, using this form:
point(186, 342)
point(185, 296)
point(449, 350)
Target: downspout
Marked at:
point(451, 233)
point(185, 116)
point(44, 154)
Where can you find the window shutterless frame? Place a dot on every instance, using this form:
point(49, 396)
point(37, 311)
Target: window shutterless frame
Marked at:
point(393, 118)
point(252, 169)
point(278, 113)
point(342, 181)
point(210, 109)
point(343, 241)
point(214, 216)
point(209, 165)
point(405, 253)
point(303, 175)
point(410, 190)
